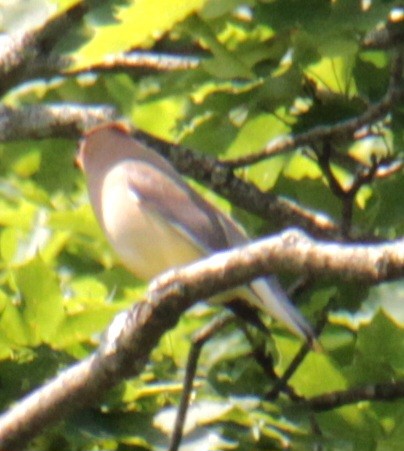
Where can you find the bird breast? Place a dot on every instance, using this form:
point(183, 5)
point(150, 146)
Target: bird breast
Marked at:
point(145, 241)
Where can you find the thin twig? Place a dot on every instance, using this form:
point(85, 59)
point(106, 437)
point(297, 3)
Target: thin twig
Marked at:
point(341, 131)
point(282, 382)
point(374, 392)
point(198, 341)
point(364, 176)
point(266, 362)
point(143, 61)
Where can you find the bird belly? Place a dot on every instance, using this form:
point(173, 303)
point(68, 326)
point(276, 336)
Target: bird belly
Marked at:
point(145, 241)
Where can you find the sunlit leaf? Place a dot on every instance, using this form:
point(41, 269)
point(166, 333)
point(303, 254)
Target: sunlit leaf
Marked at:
point(132, 25)
point(41, 302)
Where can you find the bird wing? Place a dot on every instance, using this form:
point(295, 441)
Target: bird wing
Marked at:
point(212, 230)
point(178, 204)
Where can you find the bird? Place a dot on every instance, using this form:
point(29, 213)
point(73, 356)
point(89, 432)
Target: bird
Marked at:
point(155, 221)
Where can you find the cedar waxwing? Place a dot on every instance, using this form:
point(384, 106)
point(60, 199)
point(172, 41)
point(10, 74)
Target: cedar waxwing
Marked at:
point(154, 221)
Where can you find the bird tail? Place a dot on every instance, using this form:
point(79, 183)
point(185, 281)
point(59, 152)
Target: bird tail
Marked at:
point(270, 298)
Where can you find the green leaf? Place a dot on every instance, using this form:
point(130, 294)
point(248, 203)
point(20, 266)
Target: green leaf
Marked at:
point(81, 326)
point(225, 64)
point(133, 25)
point(41, 301)
point(380, 347)
point(328, 375)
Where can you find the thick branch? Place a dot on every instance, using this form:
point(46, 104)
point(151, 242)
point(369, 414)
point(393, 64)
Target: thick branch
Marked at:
point(28, 54)
point(221, 179)
point(69, 121)
point(135, 334)
point(51, 121)
point(132, 335)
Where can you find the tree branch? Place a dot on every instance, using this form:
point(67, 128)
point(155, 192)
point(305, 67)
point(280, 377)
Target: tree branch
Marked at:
point(390, 391)
point(51, 121)
point(198, 341)
point(69, 121)
point(387, 36)
point(221, 179)
point(28, 54)
point(132, 335)
point(282, 382)
point(363, 176)
point(341, 131)
point(141, 62)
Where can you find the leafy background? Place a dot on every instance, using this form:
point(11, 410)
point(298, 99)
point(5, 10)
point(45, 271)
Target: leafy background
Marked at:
point(271, 68)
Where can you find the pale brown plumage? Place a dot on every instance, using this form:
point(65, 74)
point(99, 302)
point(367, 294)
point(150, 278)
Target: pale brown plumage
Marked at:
point(155, 221)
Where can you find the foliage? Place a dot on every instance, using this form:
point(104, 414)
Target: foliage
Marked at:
point(269, 68)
